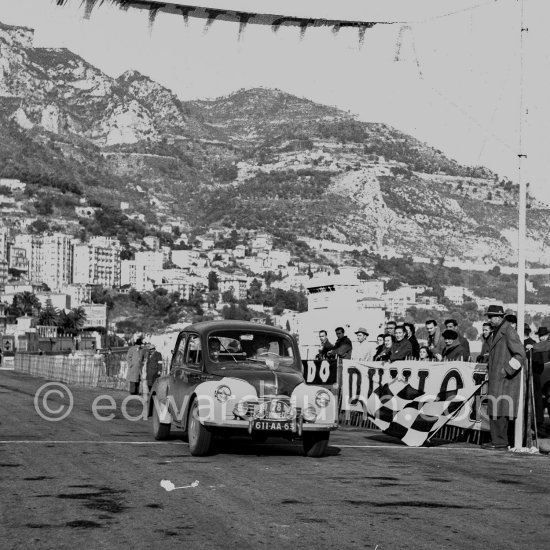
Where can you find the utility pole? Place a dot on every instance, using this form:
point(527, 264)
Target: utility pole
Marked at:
point(522, 157)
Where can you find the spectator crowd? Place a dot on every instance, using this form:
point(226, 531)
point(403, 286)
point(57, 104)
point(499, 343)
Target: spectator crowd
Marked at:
point(398, 342)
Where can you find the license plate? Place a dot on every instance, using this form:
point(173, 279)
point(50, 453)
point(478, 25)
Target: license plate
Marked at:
point(273, 425)
point(273, 410)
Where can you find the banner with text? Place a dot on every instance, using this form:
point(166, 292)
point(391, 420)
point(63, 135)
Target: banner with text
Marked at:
point(320, 373)
point(413, 399)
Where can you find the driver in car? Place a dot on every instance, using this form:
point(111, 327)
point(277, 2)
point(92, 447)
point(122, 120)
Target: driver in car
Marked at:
point(260, 347)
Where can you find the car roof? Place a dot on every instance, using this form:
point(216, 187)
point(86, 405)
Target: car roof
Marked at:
point(208, 326)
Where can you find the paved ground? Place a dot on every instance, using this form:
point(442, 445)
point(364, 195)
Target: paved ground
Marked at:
point(84, 483)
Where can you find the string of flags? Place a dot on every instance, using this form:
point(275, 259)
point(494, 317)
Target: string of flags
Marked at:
point(243, 18)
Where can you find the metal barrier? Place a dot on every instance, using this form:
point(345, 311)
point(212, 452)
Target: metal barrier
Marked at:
point(107, 369)
point(83, 370)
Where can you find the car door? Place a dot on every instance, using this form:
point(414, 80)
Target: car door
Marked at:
point(187, 371)
point(176, 386)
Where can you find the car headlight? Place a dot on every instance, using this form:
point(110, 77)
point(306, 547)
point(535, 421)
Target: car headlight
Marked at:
point(322, 399)
point(241, 409)
point(222, 393)
point(309, 414)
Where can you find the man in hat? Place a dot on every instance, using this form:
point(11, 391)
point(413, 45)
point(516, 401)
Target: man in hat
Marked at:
point(505, 360)
point(135, 357)
point(362, 351)
point(153, 367)
point(527, 340)
point(452, 324)
point(541, 355)
point(453, 350)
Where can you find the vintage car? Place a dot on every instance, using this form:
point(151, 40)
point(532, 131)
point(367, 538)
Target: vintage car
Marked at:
point(238, 377)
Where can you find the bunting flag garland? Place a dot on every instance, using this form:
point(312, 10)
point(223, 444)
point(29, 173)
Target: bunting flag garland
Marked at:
point(211, 15)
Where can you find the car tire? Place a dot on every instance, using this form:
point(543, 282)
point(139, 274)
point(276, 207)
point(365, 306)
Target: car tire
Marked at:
point(315, 443)
point(160, 431)
point(200, 438)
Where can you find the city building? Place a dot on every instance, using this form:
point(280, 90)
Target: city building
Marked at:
point(4, 274)
point(336, 301)
point(97, 262)
point(399, 300)
point(238, 285)
point(455, 294)
point(152, 243)
point(142, 273)
point(56, 260)
point(96, 315)
point(18, 259)
point(32, 244)
point(59, 300)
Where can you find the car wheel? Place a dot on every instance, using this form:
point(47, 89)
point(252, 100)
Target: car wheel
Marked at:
point(160, 431)
point(315, 443)
point(200, 439)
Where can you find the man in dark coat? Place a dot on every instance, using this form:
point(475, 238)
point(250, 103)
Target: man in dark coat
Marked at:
point(454, 349)
point(486, 331)
point(153, 366)
point(506, 359)
point(411, 337)
point(342, 347)
point(541, 355)
point(452, 324)
point(326, 346)
point(401, 348)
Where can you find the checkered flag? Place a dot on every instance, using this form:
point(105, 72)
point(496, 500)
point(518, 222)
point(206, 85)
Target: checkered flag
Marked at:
point(413, 416)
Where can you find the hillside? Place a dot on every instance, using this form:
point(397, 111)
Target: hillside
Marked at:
point(257, 159)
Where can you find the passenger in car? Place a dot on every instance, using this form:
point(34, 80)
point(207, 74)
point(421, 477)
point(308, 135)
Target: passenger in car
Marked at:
point(214, 347)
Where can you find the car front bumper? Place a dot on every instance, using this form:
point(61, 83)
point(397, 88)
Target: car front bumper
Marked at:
point(299, 426)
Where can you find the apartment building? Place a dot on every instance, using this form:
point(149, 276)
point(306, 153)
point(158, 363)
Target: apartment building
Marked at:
point(57, 260)
point(32, 245)
point(97, 262)
point(142, 273)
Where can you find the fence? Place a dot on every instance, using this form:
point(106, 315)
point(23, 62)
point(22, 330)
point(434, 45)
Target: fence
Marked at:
point(103, 370)
point(99, 370)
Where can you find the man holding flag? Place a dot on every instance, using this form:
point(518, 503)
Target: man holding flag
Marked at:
point(506, 358)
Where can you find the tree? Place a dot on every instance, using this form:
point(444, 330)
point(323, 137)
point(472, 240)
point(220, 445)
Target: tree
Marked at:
point(25, 303)
point(213, 298)
point(212, 281)
point(393, 284)
point(49, 315)
point(255, 294)
point(237, 311)
point(229, 297)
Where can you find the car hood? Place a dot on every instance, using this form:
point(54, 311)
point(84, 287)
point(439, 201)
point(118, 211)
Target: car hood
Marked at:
point(266, 382)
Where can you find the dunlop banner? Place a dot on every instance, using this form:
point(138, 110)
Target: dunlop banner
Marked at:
point(320, 373)
point(424, 393)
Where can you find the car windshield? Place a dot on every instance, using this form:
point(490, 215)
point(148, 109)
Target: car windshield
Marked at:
point(230, 346)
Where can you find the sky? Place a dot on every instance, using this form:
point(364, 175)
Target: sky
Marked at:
point(451, 73)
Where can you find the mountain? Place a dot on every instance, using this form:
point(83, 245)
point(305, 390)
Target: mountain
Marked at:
point(258, 159)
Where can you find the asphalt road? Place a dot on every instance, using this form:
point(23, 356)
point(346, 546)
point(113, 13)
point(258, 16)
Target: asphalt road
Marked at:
point(85, 483)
